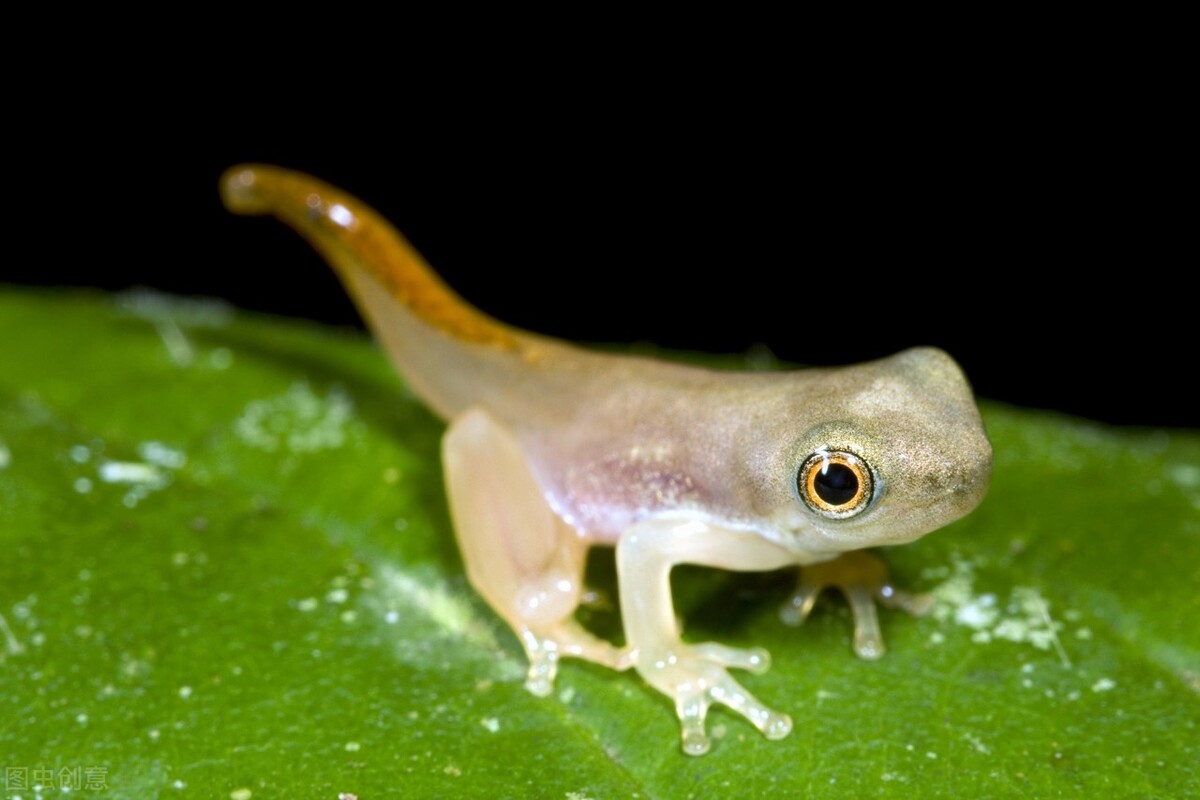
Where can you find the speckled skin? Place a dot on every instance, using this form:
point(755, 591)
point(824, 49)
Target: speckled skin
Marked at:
point(554, 448)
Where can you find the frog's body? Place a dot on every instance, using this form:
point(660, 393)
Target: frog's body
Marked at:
point(552, 449)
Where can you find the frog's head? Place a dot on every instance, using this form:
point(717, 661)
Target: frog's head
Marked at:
point(895, 449)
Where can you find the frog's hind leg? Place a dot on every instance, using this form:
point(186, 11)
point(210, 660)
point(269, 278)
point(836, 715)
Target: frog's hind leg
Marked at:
point(525, 561)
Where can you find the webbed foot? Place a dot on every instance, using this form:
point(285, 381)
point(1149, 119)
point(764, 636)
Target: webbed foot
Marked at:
point(696, 676)
point(863, 578)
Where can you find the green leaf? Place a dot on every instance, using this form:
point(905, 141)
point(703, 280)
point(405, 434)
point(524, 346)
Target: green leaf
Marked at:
point(227, 570)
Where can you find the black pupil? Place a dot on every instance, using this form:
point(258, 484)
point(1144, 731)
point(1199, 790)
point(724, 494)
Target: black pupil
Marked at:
point(836, 484)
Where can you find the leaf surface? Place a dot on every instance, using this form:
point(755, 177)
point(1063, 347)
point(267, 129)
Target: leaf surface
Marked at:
point(227, 570)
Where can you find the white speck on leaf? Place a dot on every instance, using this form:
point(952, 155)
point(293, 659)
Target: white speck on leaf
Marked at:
point(491, 724)
point(1104, 685)
point(131, 472)
point(161, 455)
point(1024, 619)
point(978, 613)
point(11, 643)
point(142, 478)
point(299, 420)
point(1186, 476)
point(241, 794)
point(976, 743)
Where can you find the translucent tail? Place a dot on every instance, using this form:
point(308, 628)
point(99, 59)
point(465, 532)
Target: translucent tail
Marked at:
point(356, 241)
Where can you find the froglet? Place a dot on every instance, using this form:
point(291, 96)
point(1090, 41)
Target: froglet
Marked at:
point(552, 449)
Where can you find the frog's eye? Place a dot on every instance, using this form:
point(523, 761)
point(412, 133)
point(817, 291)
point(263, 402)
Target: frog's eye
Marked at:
point(835, 484)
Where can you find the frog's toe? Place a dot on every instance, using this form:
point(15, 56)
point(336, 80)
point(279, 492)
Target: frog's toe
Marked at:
point(693, 700)
point(574, 641)
point(868, 639)
point(797, 607)
point(566, 639)
point(917, 604)
point(543, 663)
point(692, 709)
point(754, 659)
point(770, 723)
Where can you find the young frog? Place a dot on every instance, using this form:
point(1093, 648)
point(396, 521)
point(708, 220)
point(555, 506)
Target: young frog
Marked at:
point(552, 449)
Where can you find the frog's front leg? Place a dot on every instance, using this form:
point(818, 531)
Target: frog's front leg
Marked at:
point(525, 561)
point(693, 675)
point(863, 578)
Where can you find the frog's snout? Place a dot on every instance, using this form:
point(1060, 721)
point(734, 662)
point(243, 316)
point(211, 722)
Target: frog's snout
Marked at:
point(969, 483)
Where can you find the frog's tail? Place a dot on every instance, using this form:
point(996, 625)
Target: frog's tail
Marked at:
point(353, 238)
point(449, 351)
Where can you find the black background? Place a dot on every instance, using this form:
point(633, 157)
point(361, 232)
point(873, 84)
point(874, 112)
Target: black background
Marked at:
point(1050, 254)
